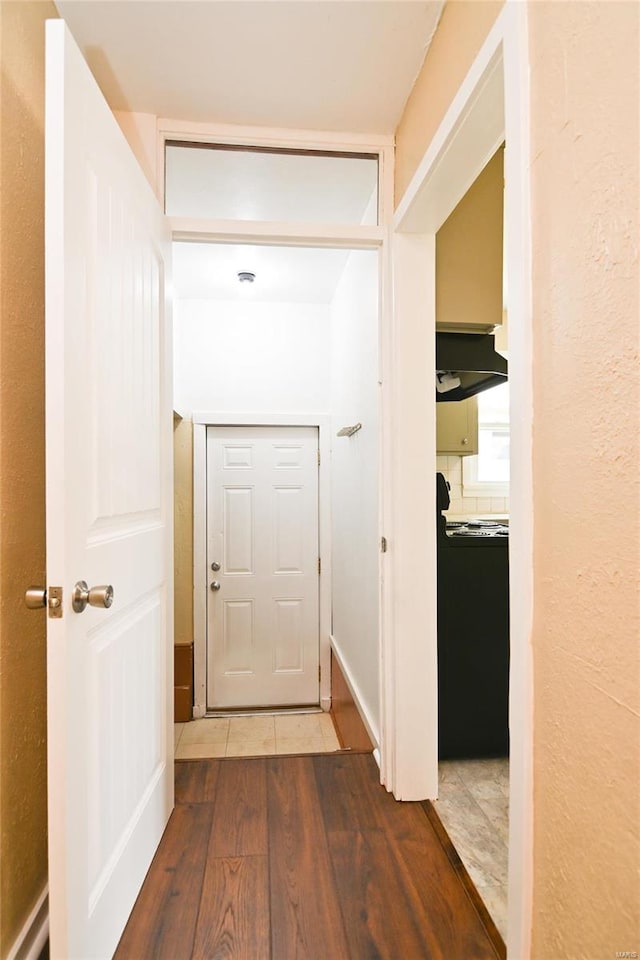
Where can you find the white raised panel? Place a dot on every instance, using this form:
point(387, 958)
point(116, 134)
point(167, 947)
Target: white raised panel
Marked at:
point(126, 678)
point(237, 458)
point(123, 348)
point(238, 530)
point(288, 518)
point(288, 649)
point(238, 630)
point(288, 456)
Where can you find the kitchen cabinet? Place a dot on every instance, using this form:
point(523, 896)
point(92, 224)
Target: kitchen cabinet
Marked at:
point(457, 428)
point(469, 255)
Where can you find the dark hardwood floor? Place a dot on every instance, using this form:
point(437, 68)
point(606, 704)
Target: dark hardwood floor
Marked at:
point(300, 858)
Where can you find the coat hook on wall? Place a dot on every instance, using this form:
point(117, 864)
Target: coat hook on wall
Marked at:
point(349, 431)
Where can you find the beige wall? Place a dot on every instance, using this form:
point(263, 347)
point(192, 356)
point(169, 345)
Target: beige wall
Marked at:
point(584, 155)
point(183, 531)
point(23, 782)
point(461, 32)
point(141, 132)
point(469, 244)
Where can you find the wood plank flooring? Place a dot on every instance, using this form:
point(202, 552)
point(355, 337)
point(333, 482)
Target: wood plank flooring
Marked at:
point(299, 858)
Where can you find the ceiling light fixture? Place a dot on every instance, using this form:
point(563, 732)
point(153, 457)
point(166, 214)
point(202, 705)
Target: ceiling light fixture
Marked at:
point(245, 276)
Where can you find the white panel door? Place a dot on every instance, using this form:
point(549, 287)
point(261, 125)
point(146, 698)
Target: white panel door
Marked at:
point(109, 510)
point(263, 631)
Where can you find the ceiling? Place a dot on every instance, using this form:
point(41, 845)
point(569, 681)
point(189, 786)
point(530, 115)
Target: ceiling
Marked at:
point(209, 271)
point(343, 65)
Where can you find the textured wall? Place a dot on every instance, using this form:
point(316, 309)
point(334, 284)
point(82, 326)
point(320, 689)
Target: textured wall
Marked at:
point(140, 131)
point(462, 30)
point(584, 154)
point(584, 183)
point(23, 780)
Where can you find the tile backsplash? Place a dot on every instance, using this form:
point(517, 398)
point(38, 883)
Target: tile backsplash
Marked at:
point(452, 469)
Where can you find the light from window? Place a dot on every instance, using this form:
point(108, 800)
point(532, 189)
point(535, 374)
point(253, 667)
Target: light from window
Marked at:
point(488, 473)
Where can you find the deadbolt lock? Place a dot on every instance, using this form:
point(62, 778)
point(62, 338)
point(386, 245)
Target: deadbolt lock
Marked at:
point(215, 566)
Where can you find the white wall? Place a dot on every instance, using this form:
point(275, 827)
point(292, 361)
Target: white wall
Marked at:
point(354, 477)
point(259, 357)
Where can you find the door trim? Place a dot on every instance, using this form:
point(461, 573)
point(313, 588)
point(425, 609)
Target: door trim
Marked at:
point(213, 418)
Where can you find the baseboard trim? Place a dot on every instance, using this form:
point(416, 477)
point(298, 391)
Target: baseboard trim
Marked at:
point(366, 718)
point(35, 931)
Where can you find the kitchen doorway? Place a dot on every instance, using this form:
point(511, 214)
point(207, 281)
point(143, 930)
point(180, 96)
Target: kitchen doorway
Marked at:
point(472, 492)
point(490, 107)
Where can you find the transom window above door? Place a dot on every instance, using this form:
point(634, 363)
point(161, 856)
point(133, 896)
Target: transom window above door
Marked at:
point(228, 182)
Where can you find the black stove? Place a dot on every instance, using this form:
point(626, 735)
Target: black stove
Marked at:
point(473, 634)
point(476, 528)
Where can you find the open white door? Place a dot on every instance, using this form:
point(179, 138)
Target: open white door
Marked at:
point(109, 510)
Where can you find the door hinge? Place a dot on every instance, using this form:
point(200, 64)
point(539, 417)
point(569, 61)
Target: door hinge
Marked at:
point(318, 458)
point(383, 544)
point(319, 566)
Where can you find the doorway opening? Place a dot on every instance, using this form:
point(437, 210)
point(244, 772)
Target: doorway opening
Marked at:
point(491, 107)
point(267, 372)
point(472, 491)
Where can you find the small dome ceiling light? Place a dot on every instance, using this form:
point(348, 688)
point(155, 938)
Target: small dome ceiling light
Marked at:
point(245, 276)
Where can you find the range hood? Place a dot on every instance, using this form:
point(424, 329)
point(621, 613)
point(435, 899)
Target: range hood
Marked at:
point(467, 364)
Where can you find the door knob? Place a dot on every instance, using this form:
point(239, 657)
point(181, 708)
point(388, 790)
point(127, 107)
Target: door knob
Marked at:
point(101, 596)
point(215, 584)
point(215, 566)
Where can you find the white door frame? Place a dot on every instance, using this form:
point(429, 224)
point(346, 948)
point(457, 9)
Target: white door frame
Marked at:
point(492, 104)
point(208, 418)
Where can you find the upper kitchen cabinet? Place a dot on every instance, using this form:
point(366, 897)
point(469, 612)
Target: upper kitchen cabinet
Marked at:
point(469, 254)
point(457, 428)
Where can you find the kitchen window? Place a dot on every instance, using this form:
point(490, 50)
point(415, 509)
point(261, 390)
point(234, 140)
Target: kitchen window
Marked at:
point(487, 474)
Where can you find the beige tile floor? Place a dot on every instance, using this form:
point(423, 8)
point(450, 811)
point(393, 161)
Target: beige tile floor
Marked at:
point(473, 805)
point(256, 736)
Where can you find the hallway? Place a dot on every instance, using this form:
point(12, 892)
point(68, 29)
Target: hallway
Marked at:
point(300, 857)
